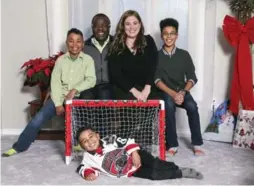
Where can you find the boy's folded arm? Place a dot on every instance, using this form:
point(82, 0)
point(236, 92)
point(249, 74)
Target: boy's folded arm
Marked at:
point(85, 171)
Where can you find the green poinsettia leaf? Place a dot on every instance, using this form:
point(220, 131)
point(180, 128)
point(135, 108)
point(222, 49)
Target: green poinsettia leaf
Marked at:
point(37, 78)
point(44, 68)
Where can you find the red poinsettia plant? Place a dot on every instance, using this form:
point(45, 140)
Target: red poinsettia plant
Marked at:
point(38, 71)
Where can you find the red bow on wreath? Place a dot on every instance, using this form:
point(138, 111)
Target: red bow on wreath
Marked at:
point(240, 36)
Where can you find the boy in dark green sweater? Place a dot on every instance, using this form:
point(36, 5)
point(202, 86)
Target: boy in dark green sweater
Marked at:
point(175, 76)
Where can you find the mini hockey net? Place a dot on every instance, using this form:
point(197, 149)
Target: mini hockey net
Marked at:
point(143, 121)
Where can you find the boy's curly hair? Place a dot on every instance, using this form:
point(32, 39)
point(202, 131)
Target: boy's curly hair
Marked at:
point(169, 22)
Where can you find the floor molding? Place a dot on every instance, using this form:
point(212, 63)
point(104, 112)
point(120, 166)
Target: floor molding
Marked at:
point(13, 132)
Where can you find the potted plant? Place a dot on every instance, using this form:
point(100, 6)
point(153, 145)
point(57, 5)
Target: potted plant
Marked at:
point(38, 72)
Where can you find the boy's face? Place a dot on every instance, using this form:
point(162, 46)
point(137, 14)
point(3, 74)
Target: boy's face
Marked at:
point(89, 140)
point(169, 36)
point(75, 44)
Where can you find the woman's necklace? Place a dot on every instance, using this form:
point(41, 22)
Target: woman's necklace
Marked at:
point(130, 46)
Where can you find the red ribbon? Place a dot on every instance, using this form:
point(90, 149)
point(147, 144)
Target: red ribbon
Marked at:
point(240, 36)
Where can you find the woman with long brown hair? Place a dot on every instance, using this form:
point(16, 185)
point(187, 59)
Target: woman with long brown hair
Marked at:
point(132, 59)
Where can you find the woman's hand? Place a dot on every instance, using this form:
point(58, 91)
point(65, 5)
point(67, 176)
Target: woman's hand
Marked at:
point(137, 94)
point(146, 91)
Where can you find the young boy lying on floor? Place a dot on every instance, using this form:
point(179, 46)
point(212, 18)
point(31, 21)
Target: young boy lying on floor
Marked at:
point(120, 157)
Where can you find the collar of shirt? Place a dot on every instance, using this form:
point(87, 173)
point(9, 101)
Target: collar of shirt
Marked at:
point(67, 55)
point(98, 45)
point(169, 53)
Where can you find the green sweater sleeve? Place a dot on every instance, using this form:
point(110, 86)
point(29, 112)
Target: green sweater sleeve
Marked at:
point(56, 85)
point(190, 69)
point(89, 78)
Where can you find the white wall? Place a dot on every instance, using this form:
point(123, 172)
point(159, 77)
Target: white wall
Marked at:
point(218, 59)
point(223, 57)
point(23, 37)
point(212, 54)
point(0, 75)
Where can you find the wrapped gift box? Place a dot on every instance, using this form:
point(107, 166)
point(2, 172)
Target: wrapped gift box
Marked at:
point(244, 131)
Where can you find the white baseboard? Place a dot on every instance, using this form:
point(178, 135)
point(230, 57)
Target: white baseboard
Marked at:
point(15, 132)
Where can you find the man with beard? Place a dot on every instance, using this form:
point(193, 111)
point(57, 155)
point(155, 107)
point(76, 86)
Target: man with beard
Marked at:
point(97, 47)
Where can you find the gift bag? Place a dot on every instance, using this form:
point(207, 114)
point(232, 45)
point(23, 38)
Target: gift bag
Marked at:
point(221, 126)
point(244, 131)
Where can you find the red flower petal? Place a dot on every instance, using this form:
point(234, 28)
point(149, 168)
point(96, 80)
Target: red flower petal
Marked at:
point(26, 64)
point(47, 71)
point(30, 72)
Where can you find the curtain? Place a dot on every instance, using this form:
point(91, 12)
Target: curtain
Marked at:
point(57, 12)
point(151, 12)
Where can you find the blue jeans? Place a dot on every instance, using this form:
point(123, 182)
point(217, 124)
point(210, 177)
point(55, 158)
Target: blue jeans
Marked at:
point(193, 116)
point(29, 134)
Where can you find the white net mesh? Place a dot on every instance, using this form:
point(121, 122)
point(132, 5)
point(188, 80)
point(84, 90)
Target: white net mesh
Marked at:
point(138, 122)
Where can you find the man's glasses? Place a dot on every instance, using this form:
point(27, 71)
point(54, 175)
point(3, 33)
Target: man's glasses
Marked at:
point(172, 34)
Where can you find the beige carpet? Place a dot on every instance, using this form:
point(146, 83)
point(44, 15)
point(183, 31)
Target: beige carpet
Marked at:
point(43, 164)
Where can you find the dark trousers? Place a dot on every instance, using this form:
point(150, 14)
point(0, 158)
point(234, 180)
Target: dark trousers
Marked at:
point(102, 91)
point(121, 94)
point(155, 169)
point(193, 117)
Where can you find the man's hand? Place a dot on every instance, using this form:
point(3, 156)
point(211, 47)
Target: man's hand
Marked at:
point(71, 94)
point(146, 91)
point(90, 177)
point(137, 94)
point(179, 98)
point(136, 159)
point(59, 110)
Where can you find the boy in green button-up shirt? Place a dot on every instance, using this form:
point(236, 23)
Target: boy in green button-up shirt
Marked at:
point(73, 73)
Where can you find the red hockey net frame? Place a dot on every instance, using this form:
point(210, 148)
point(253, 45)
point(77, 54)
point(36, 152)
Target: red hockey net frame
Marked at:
point(116, 104)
